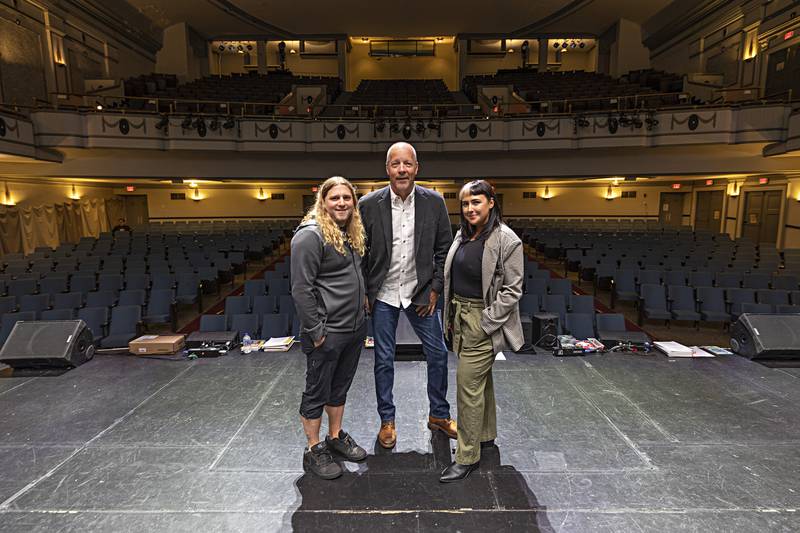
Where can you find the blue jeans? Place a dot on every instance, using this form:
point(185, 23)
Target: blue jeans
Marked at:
point(429, 331)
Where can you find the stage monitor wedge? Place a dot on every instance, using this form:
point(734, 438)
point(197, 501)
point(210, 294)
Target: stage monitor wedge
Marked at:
point(48, 344)
point(766, 336)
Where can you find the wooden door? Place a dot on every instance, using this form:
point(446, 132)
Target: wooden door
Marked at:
point(708, 211)
point(136, 211)
point(670, 213)
point(761, 215)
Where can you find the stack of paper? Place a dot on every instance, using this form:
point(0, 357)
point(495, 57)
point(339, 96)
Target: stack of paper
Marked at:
point(673, 349)
point(278, 344)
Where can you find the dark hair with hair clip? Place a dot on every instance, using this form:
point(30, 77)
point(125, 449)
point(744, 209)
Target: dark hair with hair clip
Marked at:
point(475, 188)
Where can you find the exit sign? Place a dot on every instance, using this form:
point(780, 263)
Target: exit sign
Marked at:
point(130, 188)
point(763, 181)
point(676, 185)
point(788, 35)
point(709, 182)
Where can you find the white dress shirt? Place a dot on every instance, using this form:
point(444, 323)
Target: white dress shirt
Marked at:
point(401, 280)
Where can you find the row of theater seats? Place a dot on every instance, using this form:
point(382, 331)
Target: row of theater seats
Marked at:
point(681, 276)
point(111, 327)
point(576, 312)
point(153, 273)
point(251, 87)
point(708, 304)
point(401, 93)
point(597, 225)
point(587, 91)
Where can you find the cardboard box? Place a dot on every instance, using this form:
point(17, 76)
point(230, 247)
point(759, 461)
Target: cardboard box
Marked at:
point(156, 344)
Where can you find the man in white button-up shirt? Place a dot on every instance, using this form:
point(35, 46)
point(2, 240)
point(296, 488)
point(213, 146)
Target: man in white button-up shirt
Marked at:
point(408, 236)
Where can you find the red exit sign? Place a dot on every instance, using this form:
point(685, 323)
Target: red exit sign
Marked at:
point(130, 188)
point(709, 182)
point(763, 181)
point(788, 35)
point(676, 185)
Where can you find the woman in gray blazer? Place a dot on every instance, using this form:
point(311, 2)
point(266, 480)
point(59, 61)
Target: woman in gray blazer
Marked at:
point(483, 277)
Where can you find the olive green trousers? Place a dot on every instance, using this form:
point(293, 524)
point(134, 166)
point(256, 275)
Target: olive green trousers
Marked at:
point(477, 417)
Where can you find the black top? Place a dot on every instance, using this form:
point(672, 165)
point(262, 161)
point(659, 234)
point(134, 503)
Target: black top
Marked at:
point(467, 269)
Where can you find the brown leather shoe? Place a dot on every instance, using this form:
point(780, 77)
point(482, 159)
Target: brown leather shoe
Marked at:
point(387, 436)
point(446, 425)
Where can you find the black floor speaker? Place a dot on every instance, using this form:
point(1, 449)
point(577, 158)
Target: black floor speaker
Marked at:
point(766, 336)
point(544, 329)
point(47, 344)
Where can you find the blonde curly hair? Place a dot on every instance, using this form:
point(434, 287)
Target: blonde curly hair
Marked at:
point(331, 233)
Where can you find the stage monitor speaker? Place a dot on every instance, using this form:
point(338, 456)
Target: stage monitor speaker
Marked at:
point(544, 329)
point(766, 336)
point(48, 343)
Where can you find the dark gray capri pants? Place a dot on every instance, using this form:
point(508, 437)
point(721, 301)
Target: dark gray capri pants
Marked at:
point(330, 370)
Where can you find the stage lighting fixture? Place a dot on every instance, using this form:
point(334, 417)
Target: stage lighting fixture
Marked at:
point(380, 126)
point(163, 123)
point(98, 106)
point(651, 122)
point(582, 45)
point(583, 122)
point(406, 130)
point(187, 123)
point(249, 47)
point(564, 44)
point(214, 124)
point(229, 123)
point(240, 49)
point(420, 127)
point(572, 44)
point(624, 121)
point(221, 48)
point(557, 45)
point(395, 127)
point(198, 123)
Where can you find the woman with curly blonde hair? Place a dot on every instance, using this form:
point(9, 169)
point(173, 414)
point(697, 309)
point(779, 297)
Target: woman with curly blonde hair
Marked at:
point(328, 292)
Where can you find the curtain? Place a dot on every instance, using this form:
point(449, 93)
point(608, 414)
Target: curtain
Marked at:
point(93, 217)
point(10, 234)
point(72, 219)
point(61, 221)
point(38, 227)
point(22, 230)
point(115, 210)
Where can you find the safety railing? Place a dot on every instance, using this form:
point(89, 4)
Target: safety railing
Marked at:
point(485, 108)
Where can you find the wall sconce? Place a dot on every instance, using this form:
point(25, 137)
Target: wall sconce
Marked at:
point(546, 195)
point(73, 194)
point(7, 200)
point(735, 189)
point(262, 195)
point(196, 195)
point(193, 184)
point(609, 193)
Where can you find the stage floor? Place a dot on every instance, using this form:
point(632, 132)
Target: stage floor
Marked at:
point(601, 443)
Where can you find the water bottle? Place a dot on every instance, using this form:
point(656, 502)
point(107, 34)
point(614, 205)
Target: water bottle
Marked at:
point(246, 343)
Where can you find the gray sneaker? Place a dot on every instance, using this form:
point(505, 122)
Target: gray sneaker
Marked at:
point(346, 447)
point(319, 461)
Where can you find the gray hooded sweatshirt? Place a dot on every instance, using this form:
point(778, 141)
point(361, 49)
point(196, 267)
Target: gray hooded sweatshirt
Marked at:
point(327, 287)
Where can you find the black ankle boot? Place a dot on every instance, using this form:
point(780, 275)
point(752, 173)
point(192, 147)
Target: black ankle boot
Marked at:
point(457, 472)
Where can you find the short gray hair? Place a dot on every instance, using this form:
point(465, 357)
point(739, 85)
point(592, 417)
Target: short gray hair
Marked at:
point(400, 144)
